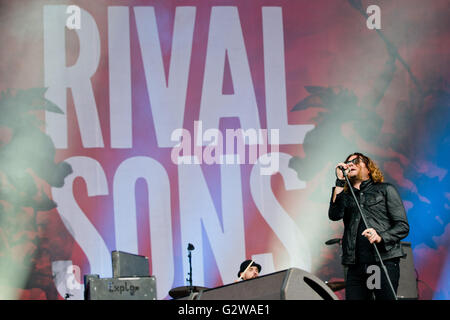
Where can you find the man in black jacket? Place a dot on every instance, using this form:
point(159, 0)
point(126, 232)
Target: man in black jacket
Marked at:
point(387, 224)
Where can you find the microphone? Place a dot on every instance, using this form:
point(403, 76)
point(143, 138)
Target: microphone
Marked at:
point(344, 171)
point(190, 247)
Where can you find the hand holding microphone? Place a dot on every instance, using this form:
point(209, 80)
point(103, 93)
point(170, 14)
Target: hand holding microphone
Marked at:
point(340, 178)
point(339, 170)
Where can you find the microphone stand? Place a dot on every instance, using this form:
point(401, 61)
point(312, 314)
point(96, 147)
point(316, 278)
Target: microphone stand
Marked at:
point(189, 279)
point(367, 227)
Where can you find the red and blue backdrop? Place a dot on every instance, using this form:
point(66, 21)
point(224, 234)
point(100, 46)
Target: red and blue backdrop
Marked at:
point(109, 122)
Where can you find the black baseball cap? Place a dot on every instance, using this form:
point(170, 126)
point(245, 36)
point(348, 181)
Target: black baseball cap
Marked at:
point(245, 264)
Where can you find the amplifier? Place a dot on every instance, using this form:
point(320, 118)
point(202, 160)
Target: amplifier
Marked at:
point(129, 265)
point(407, 286)
point(143, 288)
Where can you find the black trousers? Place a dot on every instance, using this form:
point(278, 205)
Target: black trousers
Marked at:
point(361, 282)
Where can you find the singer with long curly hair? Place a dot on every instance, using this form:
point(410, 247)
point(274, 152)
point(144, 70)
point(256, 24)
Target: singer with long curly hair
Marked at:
point(387, 224)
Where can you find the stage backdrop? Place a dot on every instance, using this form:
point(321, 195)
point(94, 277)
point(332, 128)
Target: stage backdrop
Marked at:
point(143, 126)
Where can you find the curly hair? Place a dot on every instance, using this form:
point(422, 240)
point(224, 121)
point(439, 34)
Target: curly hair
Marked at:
point(374, 172)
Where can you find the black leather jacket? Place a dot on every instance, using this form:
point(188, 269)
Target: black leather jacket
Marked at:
point(384, 211)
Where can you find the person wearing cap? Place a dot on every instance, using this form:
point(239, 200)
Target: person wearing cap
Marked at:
point(248, 270)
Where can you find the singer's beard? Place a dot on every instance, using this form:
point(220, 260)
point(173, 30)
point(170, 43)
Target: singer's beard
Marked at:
point(355, 178)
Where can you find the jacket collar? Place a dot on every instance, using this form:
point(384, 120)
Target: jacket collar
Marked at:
point(365, 184)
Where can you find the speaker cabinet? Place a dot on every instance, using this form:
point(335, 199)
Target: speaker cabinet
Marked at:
point(407, 285)
point(290, 284)
point(121, 289)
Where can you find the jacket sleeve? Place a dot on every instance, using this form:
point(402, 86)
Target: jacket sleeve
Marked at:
point(399, 223)
point(336, 210)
